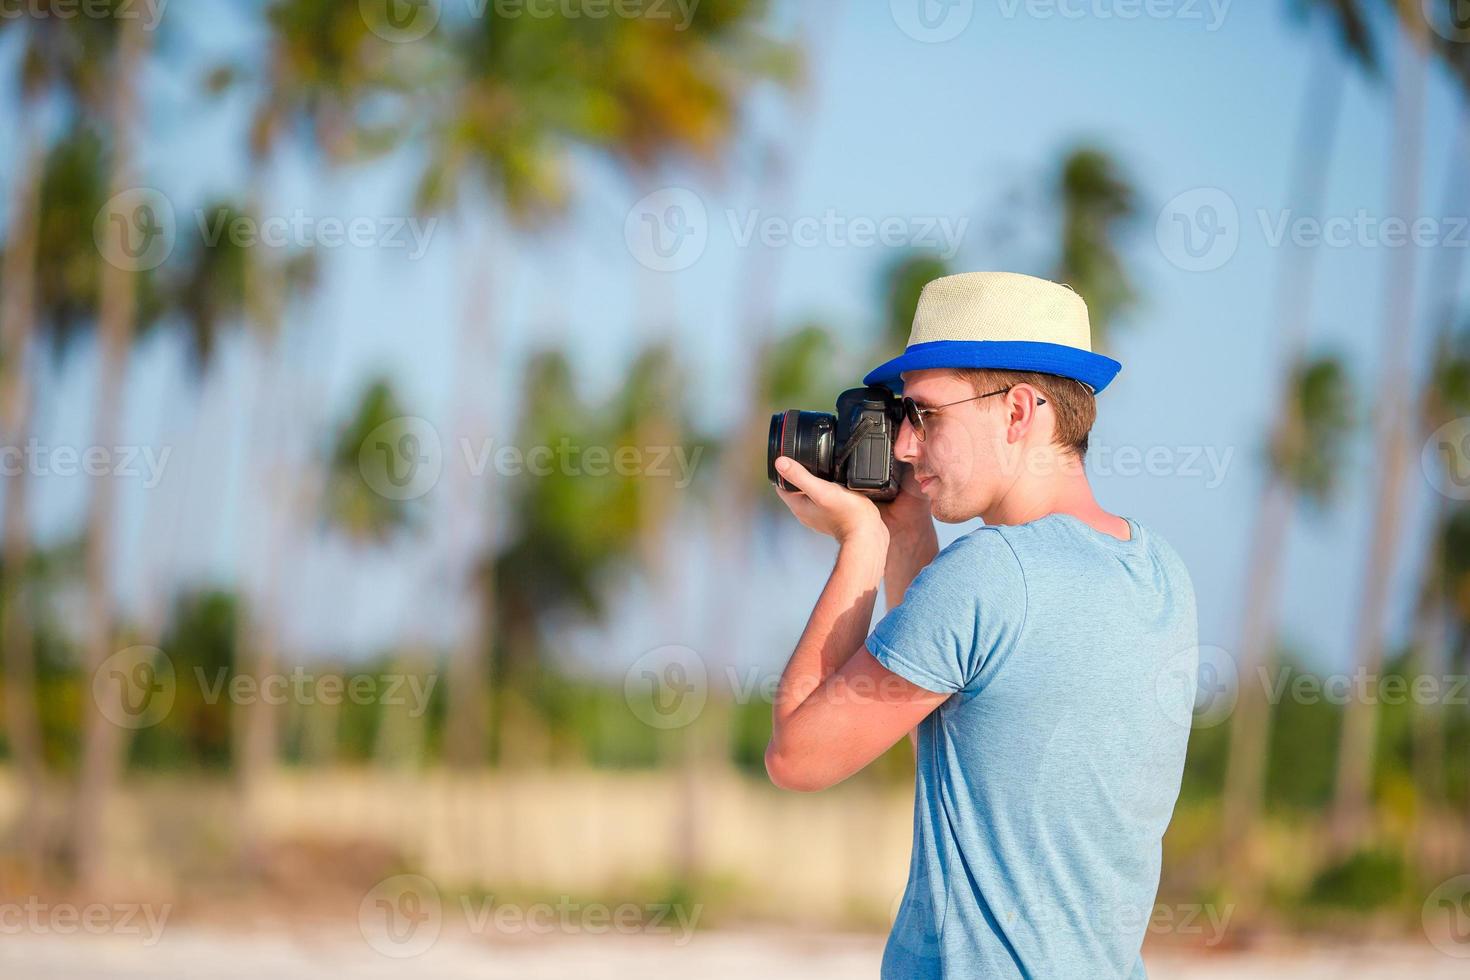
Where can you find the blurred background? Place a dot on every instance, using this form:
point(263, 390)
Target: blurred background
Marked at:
point(389, 579)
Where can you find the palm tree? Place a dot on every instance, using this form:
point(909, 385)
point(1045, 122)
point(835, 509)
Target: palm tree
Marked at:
point(1445, 398)
point(17, 326)
point(902, 281)
point(356, 510)
point(208, 290)
point(203, 293)
point(116, 320)
point(323, 63)
point(1357, 743)
point(1343, 27)
point(501, 126)
point(55, 63)
point(574, 531)
point(1096, 202)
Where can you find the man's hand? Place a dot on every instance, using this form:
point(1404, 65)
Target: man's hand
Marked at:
point(912, 541)
point(907, 516)
point(828, 508)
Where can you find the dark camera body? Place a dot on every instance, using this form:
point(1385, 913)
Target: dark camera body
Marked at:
point(854, 447)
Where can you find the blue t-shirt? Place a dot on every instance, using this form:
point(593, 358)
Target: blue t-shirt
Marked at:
point(1046, 781)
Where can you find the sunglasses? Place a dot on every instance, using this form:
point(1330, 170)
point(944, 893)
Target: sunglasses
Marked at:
point(916, 415)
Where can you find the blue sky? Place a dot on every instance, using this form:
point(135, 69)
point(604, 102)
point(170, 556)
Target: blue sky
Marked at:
point(965, 131)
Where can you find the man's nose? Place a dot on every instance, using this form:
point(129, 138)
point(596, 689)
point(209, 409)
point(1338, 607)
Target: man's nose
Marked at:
point(906, 446)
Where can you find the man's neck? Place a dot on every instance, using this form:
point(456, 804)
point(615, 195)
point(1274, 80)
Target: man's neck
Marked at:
point(1055, 486)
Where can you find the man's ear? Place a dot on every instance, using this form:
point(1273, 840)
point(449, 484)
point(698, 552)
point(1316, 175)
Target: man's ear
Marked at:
point(1015, 416)
point(1022, 402)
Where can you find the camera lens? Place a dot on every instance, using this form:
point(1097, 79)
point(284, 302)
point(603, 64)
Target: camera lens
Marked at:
point(804, 436)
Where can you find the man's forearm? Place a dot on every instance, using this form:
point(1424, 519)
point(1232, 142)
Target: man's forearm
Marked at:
point(838, 624)
point(908, 552)
point(907, 556)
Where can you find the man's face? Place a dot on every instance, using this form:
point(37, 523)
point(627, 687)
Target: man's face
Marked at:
point(963, 461)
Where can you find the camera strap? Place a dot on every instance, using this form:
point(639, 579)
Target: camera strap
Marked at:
point(858, 431)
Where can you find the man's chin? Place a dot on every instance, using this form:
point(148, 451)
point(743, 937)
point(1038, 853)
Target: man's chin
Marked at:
point(946, 513)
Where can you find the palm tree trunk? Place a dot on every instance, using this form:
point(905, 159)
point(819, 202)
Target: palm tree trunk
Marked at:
point(466, 722)
point(102, 744)
point(1426, 731)
point(1431, 634)
point(255, 731)
point(1245, 774)
point(1357, 743)
point(399, 741)
point(17, 327)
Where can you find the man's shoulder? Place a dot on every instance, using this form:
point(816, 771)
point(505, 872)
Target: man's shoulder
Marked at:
point(981, 562)
point(985, 546)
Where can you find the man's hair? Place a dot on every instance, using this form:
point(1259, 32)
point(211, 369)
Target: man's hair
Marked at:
point(1072, 402)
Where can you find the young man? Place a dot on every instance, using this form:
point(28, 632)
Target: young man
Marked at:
point(1039, 656)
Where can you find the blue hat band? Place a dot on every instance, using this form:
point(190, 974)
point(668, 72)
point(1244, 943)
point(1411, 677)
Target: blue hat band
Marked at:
point(1094, 370)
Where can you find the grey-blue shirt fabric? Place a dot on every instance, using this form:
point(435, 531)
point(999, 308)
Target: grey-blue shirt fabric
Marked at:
point(1046, 781)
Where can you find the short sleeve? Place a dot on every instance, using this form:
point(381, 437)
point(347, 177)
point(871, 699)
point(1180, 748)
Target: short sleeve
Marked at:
point(968, 603)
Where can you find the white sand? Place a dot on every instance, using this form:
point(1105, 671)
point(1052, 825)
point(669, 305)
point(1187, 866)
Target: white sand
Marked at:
point(189, 953)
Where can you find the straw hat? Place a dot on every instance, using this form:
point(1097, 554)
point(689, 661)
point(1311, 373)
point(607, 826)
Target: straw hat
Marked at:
point(1000, 320)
